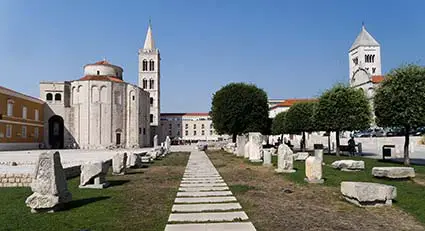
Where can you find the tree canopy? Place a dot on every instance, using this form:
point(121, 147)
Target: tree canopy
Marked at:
point(343, 108)
point(239, 108)
point(300, 117)
point(279, 124)
point(399, 101)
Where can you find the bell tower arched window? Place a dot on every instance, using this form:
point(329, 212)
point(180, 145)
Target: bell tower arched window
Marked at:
point(151, 65)
point(145, 83)
point(145, 65)
point(151, 83)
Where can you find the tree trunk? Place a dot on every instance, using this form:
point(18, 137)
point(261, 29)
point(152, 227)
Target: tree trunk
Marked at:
point(303, 143)
point(329, 143)
point(406, 147)
point(281, 139)
point(234, 138)
point(337, 143)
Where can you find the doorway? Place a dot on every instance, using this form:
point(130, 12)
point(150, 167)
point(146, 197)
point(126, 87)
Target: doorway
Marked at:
point(118, 138)
point(56, 130)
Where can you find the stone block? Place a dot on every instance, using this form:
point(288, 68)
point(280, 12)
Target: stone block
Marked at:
point(366, 194)
point(285, 161)
point(267, 157)
point(11, 180)
point(349, 165)
point(93, 175)
point(240, 145)
point(134, 160)
point(313, 170)
point(119, 163)
point(301, 156)
point(256, 146)
point(393, 172)
point(49, 185)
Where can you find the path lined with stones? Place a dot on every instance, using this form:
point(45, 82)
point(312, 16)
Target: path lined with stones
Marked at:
point(204, 201)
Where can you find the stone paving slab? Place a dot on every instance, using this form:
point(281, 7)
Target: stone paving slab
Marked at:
point(201, 189)
point(204, 199)
point(201, 181)
point(204, 194)
point(205, 207)
point(199, 217)
point(203, 178)
point(202, 185)
point(237, 226)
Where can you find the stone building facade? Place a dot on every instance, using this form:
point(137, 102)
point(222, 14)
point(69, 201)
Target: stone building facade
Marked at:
point(21, 120)
point(188, 127)
point(97, 111)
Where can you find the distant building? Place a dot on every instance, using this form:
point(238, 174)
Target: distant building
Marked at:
point(365, 63)
point(97, 111)
point(21, 120)
point(188, 127)
point(284, 105)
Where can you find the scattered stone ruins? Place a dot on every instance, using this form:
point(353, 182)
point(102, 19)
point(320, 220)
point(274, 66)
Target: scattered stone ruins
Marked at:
point(267, 157)
point(119, 164)
point(365, 194)
point(255, 146)
point(393, 172)
point(348, 165)
point(50, 189)
point(313, 168)
point(285, 161)
point(240, 145)
point(93, 175)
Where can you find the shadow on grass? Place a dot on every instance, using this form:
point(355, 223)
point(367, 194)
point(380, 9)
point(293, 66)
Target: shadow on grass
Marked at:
point(113, 183)
point(81, 202)
point(134, 172)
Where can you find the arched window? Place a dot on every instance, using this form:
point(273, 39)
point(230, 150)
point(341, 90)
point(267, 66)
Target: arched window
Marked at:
point(151, 100)
point(151, 118)
point(98, 72)
point(373, 58)
point(151, 65)
point(145, 65)
point(58, 97)
point(49, 96)
point(145, 84)
point(151, 83)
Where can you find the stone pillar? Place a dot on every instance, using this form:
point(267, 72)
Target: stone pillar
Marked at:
point(247, 149)
point(49, 185)
point(313, 170)
point(119, 164)
point(285, 161)
point(256, 146)
point(240, 145)
point(267, 157)
point(318, 153)
point(155, 141)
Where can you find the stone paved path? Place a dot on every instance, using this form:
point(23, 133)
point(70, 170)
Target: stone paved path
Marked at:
point(204, 202)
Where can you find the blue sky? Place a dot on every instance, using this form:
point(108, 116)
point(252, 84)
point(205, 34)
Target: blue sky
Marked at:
point(291, 49)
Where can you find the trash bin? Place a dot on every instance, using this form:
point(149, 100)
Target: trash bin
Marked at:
point(386, 150)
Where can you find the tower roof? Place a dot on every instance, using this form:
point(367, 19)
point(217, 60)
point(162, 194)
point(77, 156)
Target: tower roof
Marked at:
point(364, 39)
point(149, 42)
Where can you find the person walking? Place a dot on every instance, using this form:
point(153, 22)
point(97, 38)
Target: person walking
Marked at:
point(352, 146)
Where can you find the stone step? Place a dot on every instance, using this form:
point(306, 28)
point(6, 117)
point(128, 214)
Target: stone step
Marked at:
point(203, 178)
point(237, 226)
point(189, 200)
point(200, 181)
point(206, 207)
point(202, 185)
point(203, 217)
point(203, 189)
point(204, 194)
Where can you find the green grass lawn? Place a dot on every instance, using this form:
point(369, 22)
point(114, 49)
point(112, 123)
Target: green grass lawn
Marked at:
point(410, 195)
point(141, 200)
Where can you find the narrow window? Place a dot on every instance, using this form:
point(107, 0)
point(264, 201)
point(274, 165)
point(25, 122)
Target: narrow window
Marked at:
point(151, 118)
point(10, 108)
point(151, 83)
point(194, 133)
point(170, 126)
point(24, 132)
point(145, 65)
point(169, 133)
point(8, 130)
point(145, 84)
point(151, 101)
point(373, 58)
point(140, 130)
point(203, 132)
point(144, 131)
point(151, 65)
point(194, 126)
point(98, 72)
point(134, 97)
point(373, 70)
point(24, 112)
point(178, 133)
point(36, 115)
point(58, 97)
point(186, 132)
point(186, 126)
point(202, 126)
point(211, 132)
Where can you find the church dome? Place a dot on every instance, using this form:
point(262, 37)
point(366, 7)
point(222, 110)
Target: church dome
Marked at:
point(103, 68)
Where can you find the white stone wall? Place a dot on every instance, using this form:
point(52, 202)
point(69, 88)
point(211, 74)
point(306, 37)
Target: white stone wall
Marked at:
point(109, 70)
point(274, 111)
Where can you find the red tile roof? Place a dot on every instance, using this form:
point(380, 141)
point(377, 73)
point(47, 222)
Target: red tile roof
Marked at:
point(377, 78)
point(290, 102)
point(103, 62)
point(102, 78)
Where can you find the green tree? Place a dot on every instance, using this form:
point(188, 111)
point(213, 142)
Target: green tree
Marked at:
point(239, 108)
point(279, 124)
point(399, 101)
point(300, 119)
point(343, 108)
